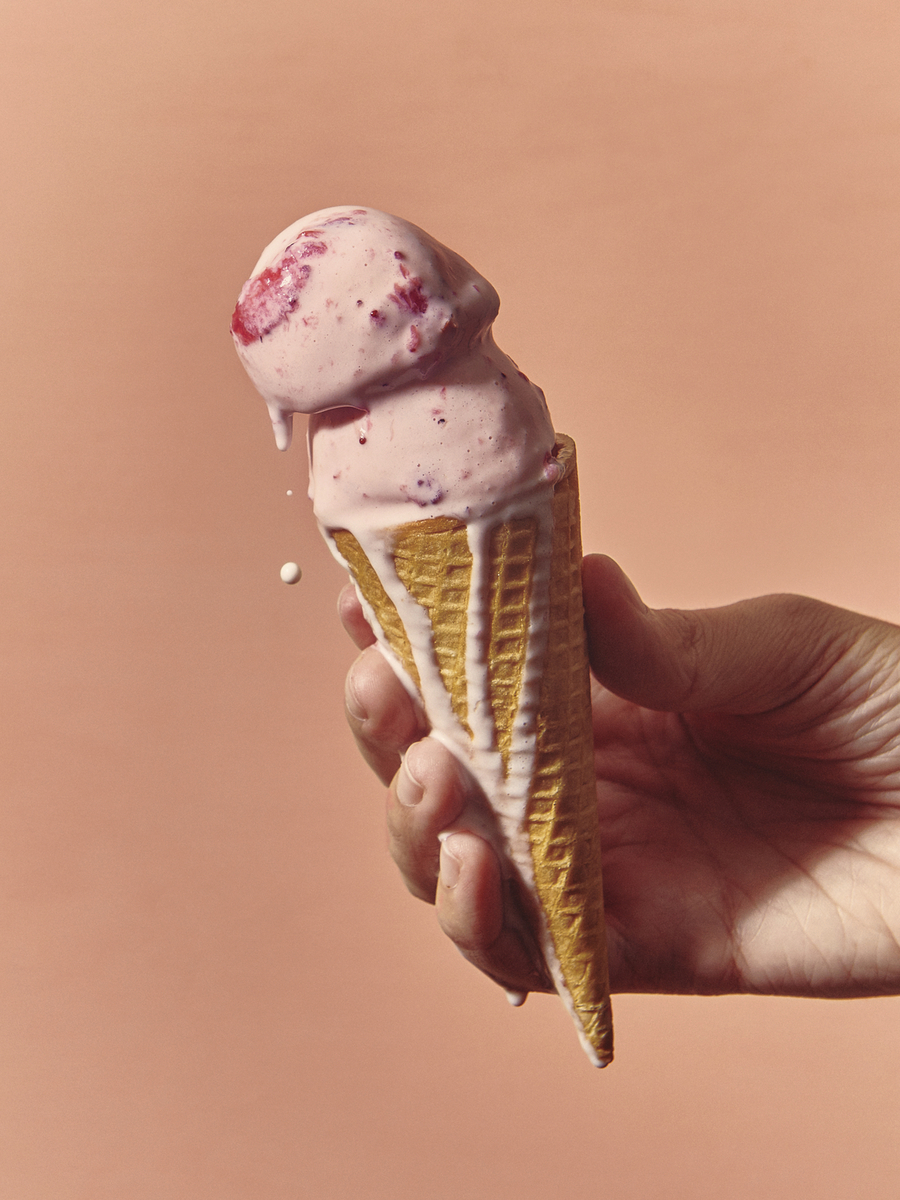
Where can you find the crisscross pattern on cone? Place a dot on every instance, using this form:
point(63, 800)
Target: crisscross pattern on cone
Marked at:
point(562, 807)
point(433, 560)
point(372, 588)
point(511, 572)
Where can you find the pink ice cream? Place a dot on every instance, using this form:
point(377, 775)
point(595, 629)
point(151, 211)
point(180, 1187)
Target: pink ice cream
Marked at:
point(384, 335)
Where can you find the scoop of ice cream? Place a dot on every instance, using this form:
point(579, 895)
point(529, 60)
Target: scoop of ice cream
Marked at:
point(348, 302)
point(384, 335)
point(466, 445)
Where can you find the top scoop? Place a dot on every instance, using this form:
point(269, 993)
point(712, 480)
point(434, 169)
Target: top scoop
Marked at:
point(384, 335)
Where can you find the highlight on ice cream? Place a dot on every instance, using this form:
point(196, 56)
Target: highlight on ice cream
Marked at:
point(439, 483)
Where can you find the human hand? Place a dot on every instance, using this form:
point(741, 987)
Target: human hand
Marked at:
point(748, 786)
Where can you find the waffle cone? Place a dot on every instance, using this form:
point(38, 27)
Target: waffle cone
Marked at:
point(434, 562)
point(562, 807)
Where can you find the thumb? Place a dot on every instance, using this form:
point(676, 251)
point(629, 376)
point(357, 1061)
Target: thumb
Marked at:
point(743, 658)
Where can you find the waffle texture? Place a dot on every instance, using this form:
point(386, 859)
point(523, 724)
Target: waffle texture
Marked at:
point(562, 806)
point(433, 560)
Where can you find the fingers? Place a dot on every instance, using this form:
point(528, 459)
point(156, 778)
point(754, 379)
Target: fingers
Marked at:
point(477, 909)
point(351, 614)
point(458, 870)
point(428, 794)
point(479, 912)
point(743, 658)
point(382, 717)
point(381, 714)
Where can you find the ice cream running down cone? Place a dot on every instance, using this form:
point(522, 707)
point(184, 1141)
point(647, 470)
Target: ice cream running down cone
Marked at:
point(439, 483)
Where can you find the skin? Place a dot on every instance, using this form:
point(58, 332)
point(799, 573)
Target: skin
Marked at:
point(748, 790)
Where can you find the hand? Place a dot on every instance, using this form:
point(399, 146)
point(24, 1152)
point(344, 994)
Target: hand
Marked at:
point(748, 789)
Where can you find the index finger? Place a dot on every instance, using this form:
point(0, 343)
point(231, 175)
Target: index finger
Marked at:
point(382, 715)
point(352, 617)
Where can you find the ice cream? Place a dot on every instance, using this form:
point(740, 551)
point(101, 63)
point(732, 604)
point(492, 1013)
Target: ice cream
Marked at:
point(438, 481)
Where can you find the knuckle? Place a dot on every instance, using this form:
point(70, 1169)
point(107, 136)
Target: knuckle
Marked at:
point(689, 643)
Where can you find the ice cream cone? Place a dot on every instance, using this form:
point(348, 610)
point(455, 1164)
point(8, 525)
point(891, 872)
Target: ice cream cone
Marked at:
point(385, 337)
point(496, 618)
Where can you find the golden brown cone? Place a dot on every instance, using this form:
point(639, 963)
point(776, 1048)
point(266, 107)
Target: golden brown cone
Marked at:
point(562, 808)
point(433, 561)
point(511, 569)
point(371, 587)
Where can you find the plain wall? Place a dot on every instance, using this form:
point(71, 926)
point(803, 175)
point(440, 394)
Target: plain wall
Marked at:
point(213, 985)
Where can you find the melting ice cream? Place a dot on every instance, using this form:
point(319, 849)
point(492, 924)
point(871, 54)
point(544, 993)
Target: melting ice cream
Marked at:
point(437, 480)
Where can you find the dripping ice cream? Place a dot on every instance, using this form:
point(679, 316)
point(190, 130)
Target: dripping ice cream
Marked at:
point(384, 336)
point(439, 483)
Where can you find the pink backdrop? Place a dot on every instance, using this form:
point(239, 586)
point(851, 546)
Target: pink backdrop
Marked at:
point(213, 984)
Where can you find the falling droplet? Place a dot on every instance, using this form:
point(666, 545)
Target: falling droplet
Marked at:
point(290, 572)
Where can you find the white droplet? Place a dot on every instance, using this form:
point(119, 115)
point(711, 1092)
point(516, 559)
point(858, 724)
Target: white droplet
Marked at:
point(289, 492)
point(290, 573)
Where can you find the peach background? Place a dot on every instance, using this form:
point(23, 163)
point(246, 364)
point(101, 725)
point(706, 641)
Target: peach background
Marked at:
point(213, 984)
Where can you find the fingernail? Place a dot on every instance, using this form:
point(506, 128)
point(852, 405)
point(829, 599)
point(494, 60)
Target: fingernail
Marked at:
point(409, 790)
point(355, 708)
point(450, 864)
